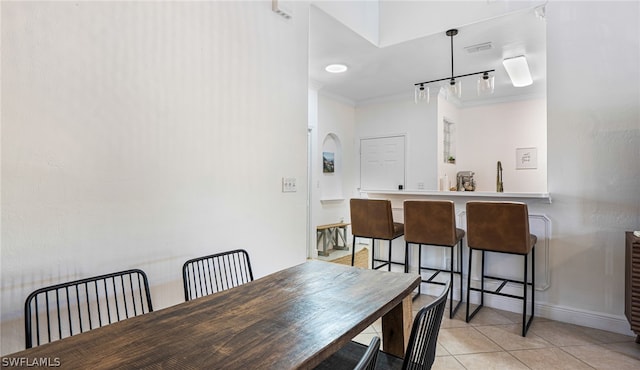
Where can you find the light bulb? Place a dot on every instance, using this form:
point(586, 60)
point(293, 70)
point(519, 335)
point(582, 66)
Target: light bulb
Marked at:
point(455, 88)
point(485, 84)
point(421, 94)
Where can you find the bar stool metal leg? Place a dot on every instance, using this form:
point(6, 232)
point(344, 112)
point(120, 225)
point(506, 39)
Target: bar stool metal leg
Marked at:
point(460, 259)
point(469, 283)
point(527, 323)
point(406, 257)
point(453, 310)
point(469, 317)
point(373, 253)
point(353, 250)
point(389, 263)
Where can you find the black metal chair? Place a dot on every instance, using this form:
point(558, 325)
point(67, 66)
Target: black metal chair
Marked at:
point(368, 360)
point(420, 353)
point(501, 227)
point(373, 219)
point(433, 223)
point(214, 273)
point(67, 309)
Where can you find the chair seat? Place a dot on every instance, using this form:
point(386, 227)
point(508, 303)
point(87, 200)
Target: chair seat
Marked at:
point(398, 230)
point(459, 234)
point(348, 356)
point(491, 248)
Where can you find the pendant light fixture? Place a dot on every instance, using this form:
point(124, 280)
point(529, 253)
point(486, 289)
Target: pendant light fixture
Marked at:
point(454, 88)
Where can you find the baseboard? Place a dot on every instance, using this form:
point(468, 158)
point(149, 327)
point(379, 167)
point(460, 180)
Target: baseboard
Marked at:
point(596, 320)
point(570, 315)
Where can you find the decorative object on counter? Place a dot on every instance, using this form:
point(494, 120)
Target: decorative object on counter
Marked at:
point(485, 81)
point(465, 181)
point(451, 159)
point(444, 183)
point(499, 184)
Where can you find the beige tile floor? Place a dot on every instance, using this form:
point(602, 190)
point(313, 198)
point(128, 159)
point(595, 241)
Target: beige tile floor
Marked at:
point(492, 340)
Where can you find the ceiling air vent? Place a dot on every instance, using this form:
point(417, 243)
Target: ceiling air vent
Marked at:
point(478, 47)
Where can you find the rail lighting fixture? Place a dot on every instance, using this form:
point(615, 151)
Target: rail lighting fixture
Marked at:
point(518, 71)
point(454, 88)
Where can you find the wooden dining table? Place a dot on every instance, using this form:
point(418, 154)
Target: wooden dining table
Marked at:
point(291, 319)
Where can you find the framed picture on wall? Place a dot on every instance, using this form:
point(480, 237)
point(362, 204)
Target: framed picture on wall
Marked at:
point(328, 162)
point(526, 158)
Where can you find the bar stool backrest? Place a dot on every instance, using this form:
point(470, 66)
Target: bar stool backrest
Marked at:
point(67, 309)
point(430, 222)
point(371, 218)
point(498, 226)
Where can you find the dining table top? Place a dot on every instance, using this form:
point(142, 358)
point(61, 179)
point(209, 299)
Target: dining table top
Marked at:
point(291, 319)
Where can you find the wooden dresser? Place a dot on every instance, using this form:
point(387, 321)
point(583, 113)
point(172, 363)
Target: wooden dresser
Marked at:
point(632, 283)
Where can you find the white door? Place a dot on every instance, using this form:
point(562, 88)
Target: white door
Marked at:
point(382, 163)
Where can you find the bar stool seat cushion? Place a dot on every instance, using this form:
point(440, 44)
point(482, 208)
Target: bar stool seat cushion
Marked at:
point(398, 230)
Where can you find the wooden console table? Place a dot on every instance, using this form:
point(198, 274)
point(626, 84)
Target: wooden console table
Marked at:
point(331, 233)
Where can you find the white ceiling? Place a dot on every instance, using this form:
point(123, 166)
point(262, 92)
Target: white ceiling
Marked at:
point(376, 72)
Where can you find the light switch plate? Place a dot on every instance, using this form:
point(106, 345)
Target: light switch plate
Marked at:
point(289, 185)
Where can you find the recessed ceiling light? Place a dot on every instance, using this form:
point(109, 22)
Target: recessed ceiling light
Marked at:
point(336, 68)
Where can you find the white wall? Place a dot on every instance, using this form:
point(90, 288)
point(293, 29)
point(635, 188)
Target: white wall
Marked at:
point(361, 16)
point(336, 118)
point(490, 133)
point(593, 105)
point(402, 116)
point(143, 134)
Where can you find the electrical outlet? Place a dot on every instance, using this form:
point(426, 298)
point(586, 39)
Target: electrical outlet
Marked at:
point(289, 185)
point(421, 185)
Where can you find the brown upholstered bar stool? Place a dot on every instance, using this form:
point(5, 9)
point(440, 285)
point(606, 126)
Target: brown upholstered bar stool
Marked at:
point(433, 223)
point(501, 227)
point(372, 218)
